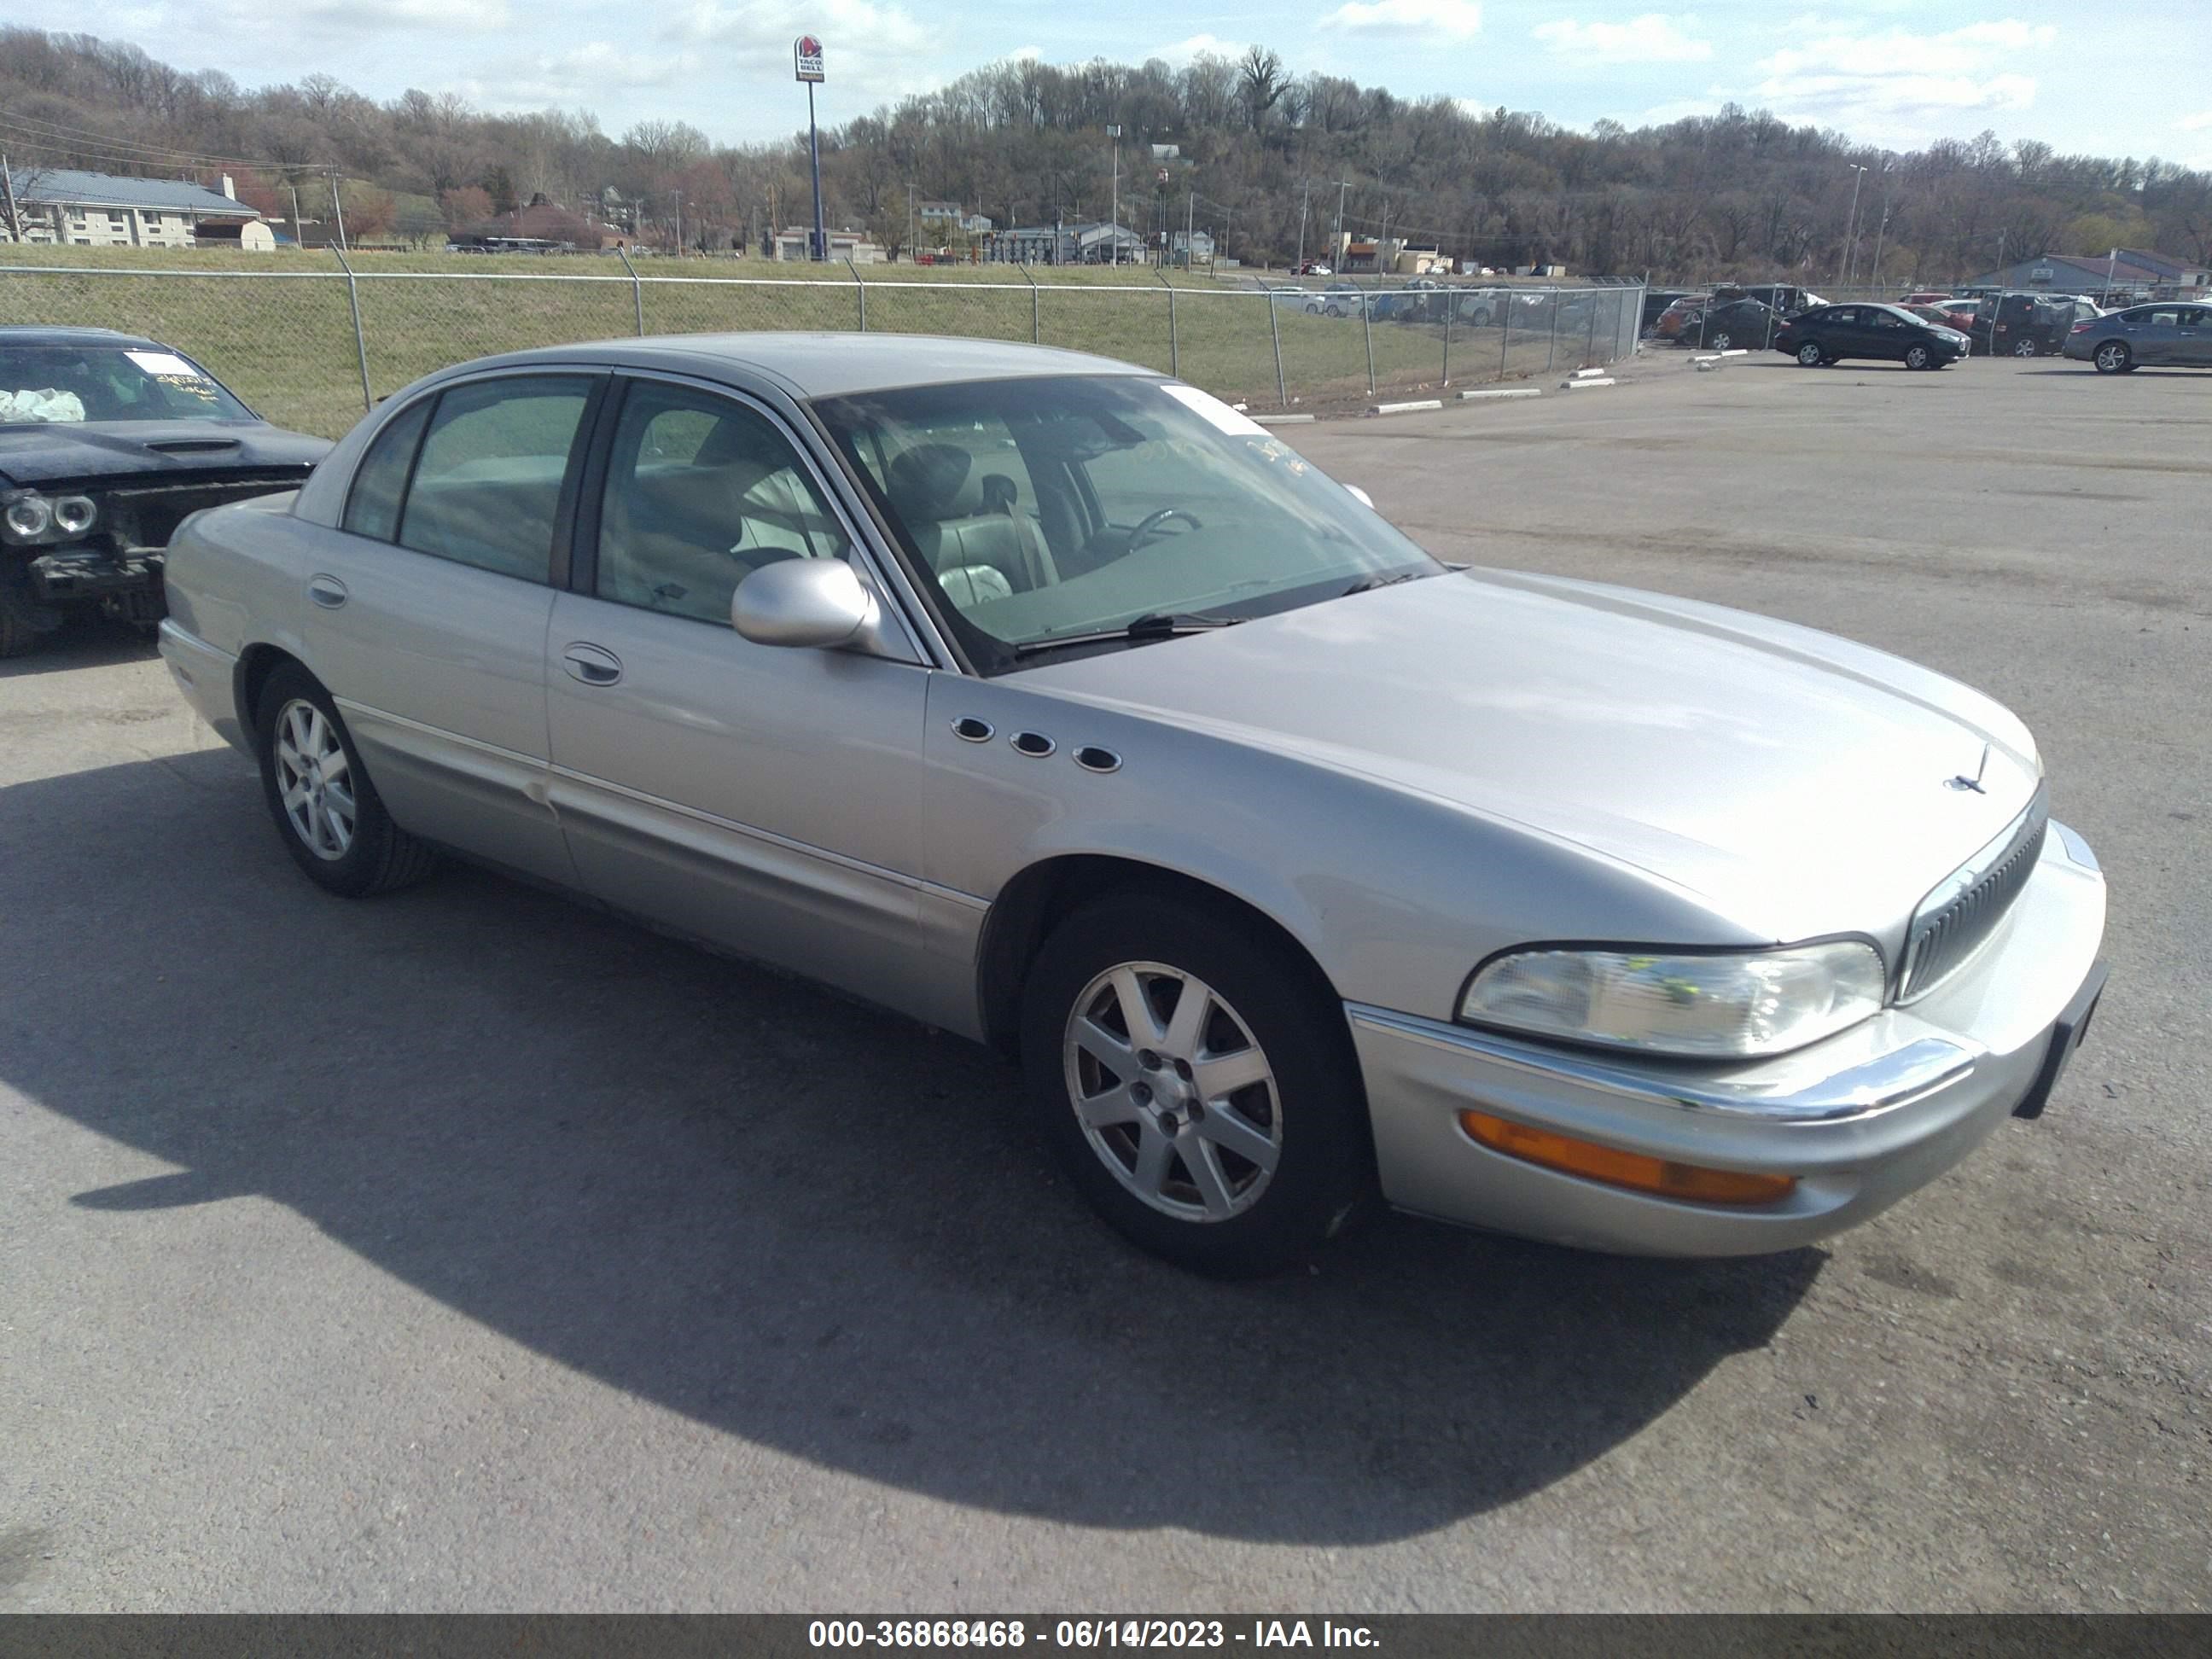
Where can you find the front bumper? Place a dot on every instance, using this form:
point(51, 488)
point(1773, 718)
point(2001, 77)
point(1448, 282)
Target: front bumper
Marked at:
point(90, 570)
point(1860, 1120)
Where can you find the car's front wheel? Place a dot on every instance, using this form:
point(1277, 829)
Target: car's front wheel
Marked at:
point(329, 813)
point(2112, 357)
point(2023, 349)
point(1811, 355)
point(1199, 1086)
point(1919, 356)
point(1720, 341)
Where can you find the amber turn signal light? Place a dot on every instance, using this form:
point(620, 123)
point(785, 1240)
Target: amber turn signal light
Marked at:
point(1619, 1169)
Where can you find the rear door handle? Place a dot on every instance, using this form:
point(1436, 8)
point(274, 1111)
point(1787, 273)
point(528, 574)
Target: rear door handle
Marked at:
point(592, 664)
point(328, 591)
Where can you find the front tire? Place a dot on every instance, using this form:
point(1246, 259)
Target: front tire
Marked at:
point(329, 813)
point(1200, 1088)
point(2113, 357)
point(1919, 356)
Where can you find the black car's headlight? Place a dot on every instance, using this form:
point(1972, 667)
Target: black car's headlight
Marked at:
point(30, 518)
point(1726, 1005)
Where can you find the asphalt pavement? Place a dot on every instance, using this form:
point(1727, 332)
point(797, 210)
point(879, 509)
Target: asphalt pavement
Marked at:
point(468, 1249)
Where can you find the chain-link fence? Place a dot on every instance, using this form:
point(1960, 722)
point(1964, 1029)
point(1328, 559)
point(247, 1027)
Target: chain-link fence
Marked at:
point(310, 349)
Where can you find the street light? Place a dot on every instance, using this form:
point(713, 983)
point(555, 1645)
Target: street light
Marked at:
point(1114, 131)
point(1850, 222)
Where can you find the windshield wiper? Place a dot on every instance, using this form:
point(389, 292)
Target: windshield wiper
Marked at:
point(1366, 583)
point(1154, 625)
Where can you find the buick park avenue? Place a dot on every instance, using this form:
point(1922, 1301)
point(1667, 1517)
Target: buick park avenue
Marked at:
point(1057, 705)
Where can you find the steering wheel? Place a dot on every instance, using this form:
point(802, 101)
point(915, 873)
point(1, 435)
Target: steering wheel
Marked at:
point(1152, 521)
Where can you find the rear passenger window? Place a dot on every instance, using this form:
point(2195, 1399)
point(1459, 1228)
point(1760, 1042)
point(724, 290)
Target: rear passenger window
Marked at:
point(488, 486)
point(372, 506)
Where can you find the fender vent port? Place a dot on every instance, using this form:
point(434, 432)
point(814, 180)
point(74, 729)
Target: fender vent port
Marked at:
point(968, 729)
point(1091, 758)
point(1035, 745)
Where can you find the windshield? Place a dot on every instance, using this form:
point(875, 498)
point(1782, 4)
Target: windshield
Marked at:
point(69, 383)
point(1052, 508)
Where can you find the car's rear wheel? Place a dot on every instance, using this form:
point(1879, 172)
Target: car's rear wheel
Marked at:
point(1811, 355)
point(1200, 1089)
point(329, 813)
point(1919, 356)
point(2023, 348)
point(2113, 357)
point(1720, 341)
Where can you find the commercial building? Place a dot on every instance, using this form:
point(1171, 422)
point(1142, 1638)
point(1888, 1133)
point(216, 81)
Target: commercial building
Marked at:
point(2127, 274)
point(62, 206)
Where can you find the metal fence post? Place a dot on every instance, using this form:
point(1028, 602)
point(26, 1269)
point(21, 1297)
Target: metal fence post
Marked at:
point(636, 288)
point(1589, 345)
point(1452, 306)
point(860, 289)
point(1504, 331)
point(360, 340)
point(1367, 328)
point(1275, 333)
point(1175, 354)
point(1552, 352)
point(1036, 311)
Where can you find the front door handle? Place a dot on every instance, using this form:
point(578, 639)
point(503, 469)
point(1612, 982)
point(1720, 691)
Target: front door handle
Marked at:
point(592, 664)
point(328, 591)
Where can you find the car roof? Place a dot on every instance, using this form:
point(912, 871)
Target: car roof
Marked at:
point(808, 365)
point(57, 334)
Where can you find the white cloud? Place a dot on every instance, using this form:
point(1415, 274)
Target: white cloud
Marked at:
point(1651, 38)
point(443, 16)
point(1198, 45)
point(1449, 20)
point(1026, 54)
point(856, 29)
point(1896, 86)
point(2200, 122)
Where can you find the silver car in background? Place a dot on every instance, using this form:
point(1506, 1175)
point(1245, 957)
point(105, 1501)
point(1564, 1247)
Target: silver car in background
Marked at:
point(1057, 705)
point(2168, 335)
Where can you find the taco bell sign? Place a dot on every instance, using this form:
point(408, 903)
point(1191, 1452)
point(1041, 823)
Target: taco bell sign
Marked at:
point(806, 54)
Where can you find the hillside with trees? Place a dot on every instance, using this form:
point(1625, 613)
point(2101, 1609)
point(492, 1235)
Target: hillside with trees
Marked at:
point(1262, 155)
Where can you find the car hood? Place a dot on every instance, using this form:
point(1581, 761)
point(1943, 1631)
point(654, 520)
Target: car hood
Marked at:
point(72, 452)
point(1793, 782)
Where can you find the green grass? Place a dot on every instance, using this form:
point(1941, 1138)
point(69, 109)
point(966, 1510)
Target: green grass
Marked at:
point(279, 329)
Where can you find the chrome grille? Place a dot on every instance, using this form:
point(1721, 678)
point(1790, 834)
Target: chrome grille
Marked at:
point(1955, 919)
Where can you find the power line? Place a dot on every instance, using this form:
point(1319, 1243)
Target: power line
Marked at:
point(81, 141)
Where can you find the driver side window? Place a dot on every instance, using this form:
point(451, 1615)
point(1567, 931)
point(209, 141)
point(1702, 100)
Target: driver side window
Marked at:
point(701, 492)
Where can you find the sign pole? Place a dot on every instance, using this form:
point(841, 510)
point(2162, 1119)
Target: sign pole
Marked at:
point(806, 62)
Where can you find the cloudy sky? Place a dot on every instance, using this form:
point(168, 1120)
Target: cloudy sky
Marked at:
point(2077, 77)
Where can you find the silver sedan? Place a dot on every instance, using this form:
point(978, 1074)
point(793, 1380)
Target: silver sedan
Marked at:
point(1060, 706)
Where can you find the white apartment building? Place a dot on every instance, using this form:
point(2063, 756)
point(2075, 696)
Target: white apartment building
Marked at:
point(62, 205)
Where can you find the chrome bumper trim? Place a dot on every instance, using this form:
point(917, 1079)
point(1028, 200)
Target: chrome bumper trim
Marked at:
point(1880, 1084)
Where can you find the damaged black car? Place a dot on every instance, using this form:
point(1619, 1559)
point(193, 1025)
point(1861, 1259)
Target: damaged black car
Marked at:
point(107, 443)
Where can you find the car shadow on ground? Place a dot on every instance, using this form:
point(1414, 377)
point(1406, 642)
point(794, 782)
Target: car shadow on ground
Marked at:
point(794, 1219)
point(82, 642)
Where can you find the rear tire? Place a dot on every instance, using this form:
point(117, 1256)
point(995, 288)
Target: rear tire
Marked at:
point(326, 809)
point(2024, 348)
point(1153, 1116)
point(1810, 355)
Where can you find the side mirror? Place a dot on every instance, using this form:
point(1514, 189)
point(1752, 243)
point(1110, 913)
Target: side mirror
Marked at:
point(819, 602)
point(1361, 496)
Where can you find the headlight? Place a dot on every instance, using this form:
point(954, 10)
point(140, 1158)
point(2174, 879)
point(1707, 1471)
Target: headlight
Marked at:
point(1723, 1005)
point(28, 516)
point(74, 515)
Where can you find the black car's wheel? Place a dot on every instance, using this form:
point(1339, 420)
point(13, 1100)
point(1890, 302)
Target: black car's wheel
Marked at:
point(1919, 356)
point(329, 813)
point(1811, 355)
point(2112, 357)
point(1200, 1089)
point(2024, 347)
point(17, 634)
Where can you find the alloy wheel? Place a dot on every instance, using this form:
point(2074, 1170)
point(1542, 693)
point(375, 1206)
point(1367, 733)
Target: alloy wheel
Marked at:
point(314, 780)
point(1173, 1093)
point(1809, 355)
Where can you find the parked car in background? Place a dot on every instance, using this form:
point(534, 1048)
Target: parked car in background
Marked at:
point(1958, 312)
point(2166, 334)
point(1053, 703)
point(1726, 325)
point(1655, 302)
point(2022, 324)
point(1785, 298)
point(1315, 268)
point(108, 441)
point(1338, 300)
point(1679, 314)
point(1831, 334)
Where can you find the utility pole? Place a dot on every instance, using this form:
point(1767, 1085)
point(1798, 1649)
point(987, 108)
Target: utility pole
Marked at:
point(678, 195)
point(338, 205)
point(1851, 221)
point(1336, 246)
point(912, 247)
point(1305, 197)
point(1189, 212)
point(18, 230)
point(1114, 133)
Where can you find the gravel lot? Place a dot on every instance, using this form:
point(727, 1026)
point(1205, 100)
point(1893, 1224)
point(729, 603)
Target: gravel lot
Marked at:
point(466, 1249)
